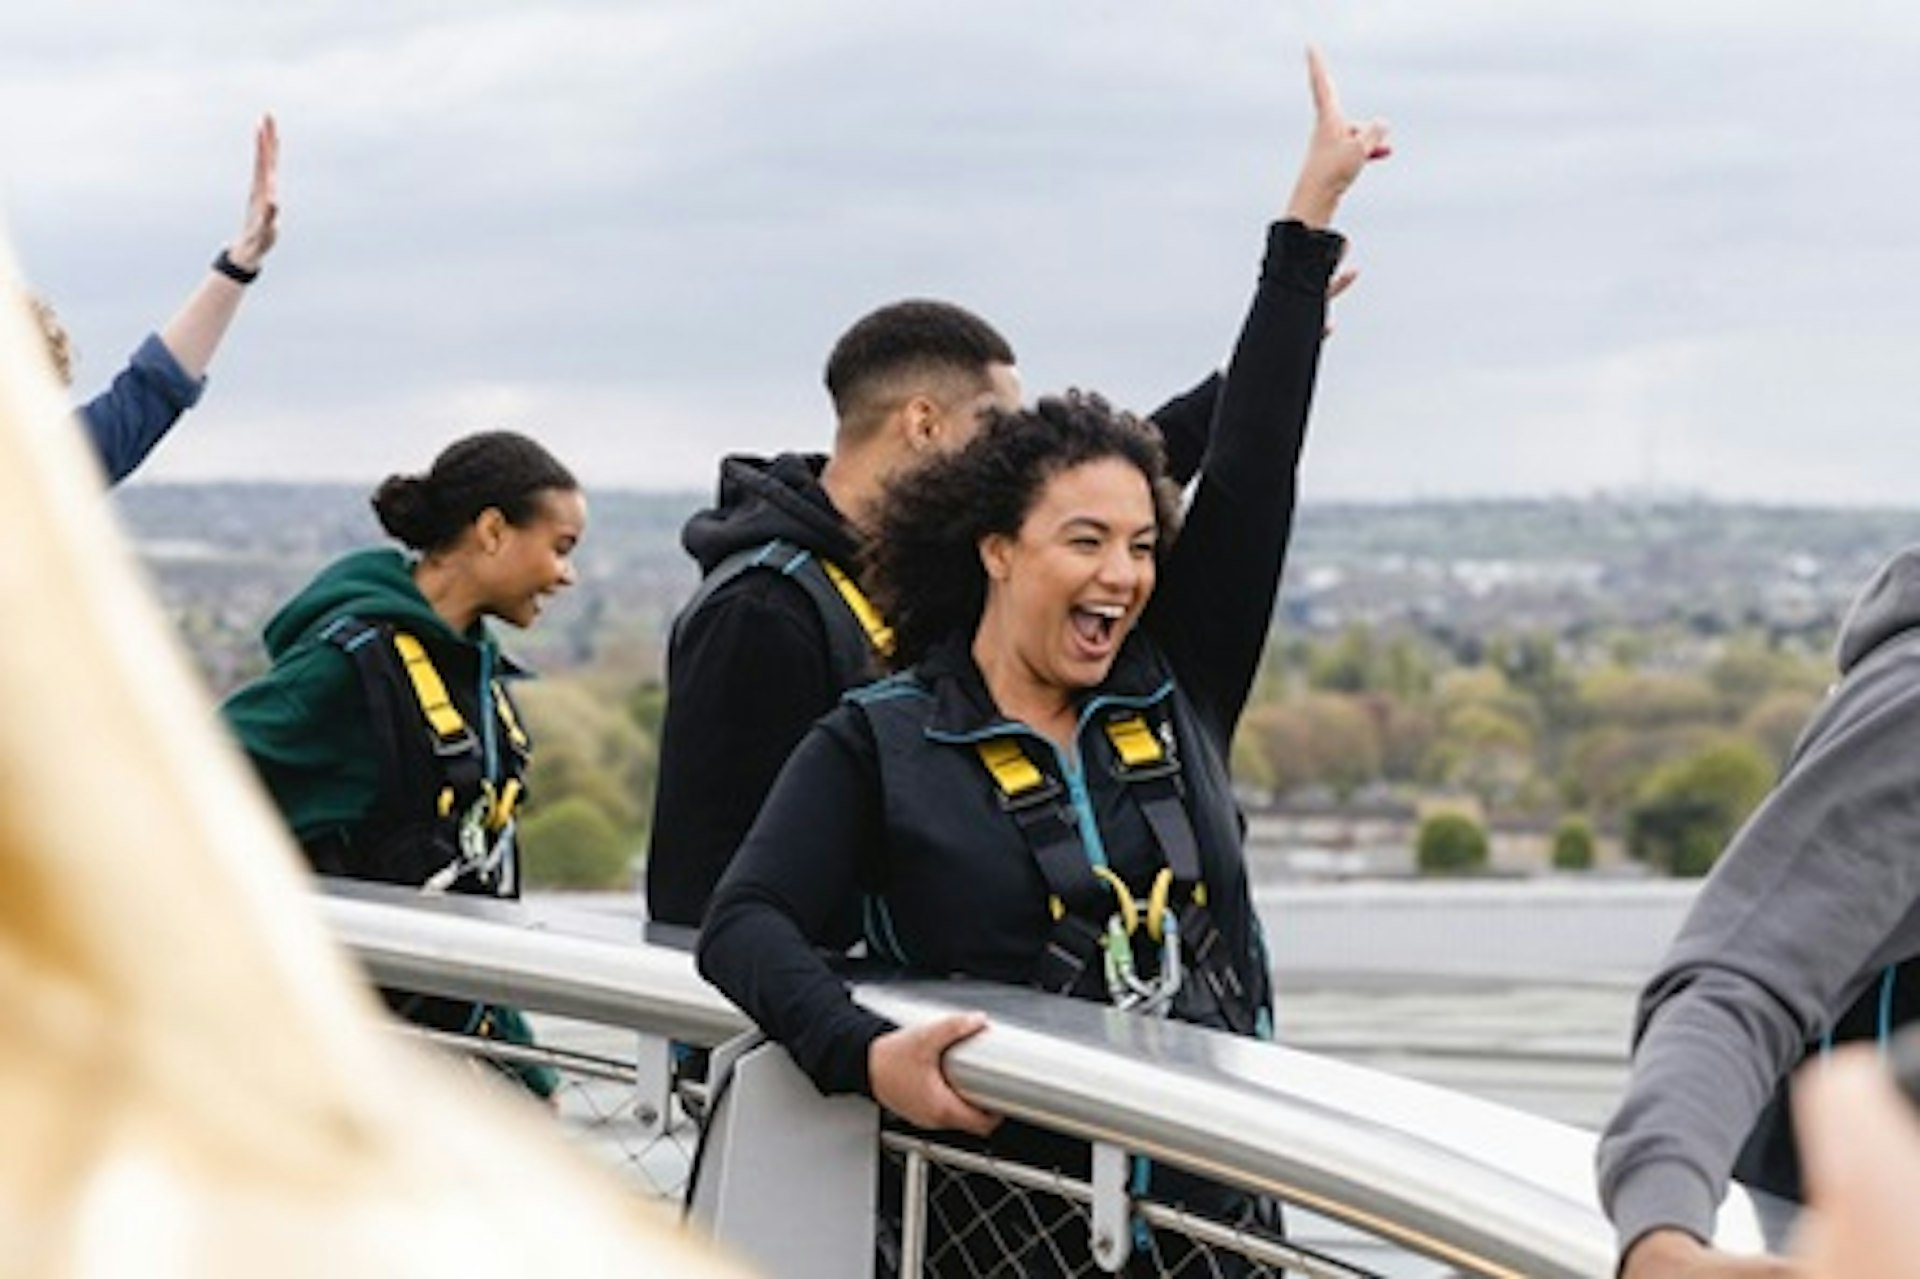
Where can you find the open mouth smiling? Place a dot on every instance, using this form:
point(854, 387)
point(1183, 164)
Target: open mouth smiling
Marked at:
point(1095, 623)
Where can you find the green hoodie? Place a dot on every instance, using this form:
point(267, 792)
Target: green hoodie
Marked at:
point(304, 723)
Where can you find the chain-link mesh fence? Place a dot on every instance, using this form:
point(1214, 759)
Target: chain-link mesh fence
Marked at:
point(612, 1107)
point(965, 1215)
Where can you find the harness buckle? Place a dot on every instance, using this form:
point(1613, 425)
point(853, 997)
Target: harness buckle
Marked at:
point(1166, 766)
point(1047, 791)
point(1142, 751)
point(457, 745)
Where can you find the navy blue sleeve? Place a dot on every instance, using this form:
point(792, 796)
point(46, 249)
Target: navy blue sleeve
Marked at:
point(132, 415)
point(1214, 602)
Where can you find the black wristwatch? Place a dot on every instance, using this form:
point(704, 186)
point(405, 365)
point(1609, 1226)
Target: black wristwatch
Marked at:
point(233, 270)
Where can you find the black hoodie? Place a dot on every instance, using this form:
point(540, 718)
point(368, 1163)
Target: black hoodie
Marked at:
point(747, 674)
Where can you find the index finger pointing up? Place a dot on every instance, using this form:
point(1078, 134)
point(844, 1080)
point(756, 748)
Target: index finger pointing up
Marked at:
point(1326, 103)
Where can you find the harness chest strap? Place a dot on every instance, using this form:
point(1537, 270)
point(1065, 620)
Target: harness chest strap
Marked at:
point(430, 690)
point(1153, 774)
point(458, 782)
point(1081, 894)
point(455, 739)
point(856, 632)
point(1079, 902)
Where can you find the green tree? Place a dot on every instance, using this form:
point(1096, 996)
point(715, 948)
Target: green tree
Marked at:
point(1407, 733)
point(1451, 844)
point(1774, 724)
point(1348, 665)
point(1573, 845)
point(1487, 735)
point(1533, 667)
point(587, 745)
point(573, 844)
point(1608, 763)
point(1250, 766)
point(1278, 731)
point(1343, 742)
point(1406, 671)
point(1325, 739)
point(647, 706)
point(1646, 699)
point(1360, 660)
point(1749, 672)
point(1687, 810)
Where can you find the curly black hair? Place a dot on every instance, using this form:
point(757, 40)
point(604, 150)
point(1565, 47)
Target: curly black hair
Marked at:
point(502, 470)
point(923, 561)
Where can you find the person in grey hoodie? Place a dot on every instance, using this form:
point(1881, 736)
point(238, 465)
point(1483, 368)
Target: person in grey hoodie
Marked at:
point(1805, 934)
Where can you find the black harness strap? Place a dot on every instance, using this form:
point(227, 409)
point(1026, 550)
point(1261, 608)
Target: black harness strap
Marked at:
point(850, 650)
point(1080, 903)
point(431, 765)
point(402, 772)
point(1145, 758)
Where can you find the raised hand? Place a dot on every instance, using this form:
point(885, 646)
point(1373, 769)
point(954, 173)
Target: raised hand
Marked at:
point(1337, 150)
point(260, 228)
point(903, 1069)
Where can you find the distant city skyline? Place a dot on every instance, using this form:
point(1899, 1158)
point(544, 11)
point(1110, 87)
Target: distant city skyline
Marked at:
point(1622, 247)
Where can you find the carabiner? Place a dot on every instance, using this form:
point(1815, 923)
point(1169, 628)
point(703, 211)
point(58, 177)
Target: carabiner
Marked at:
point(1122, 896)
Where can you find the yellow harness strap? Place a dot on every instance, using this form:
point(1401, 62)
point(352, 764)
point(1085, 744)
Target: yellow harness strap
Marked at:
point(515, 733)
point(502, 811)
point(1138, 746)
point(1012, 771)
point(448, 724)
point(1135, 743)
point(442, 717)
point(879, 634)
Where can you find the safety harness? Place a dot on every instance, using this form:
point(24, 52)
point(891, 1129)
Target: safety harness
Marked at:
point(1093, 910)
point(857, 636)
point(438, 797)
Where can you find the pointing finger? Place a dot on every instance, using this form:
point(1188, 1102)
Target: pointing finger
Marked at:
point(1326, 102)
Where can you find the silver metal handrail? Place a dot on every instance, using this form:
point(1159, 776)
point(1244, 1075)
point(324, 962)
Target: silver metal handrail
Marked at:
point(562, 963)
point(1481, 1186)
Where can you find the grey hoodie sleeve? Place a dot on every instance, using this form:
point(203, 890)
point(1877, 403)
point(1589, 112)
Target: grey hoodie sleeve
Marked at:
point(1811, 899)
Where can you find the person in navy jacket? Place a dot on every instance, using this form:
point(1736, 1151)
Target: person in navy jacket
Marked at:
point(168, 371)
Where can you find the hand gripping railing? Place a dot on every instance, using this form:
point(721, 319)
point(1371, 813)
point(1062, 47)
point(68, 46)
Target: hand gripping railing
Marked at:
point(1479, 1186)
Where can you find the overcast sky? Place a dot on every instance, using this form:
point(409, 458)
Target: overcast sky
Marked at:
point(1621, 244)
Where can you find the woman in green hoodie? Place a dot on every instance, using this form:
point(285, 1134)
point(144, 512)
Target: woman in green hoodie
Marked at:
point(384, 729)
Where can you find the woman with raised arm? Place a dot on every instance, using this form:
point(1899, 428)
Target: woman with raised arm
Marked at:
point(1040, 796)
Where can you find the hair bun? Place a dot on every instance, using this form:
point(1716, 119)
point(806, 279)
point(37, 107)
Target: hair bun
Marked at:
point(407, 509)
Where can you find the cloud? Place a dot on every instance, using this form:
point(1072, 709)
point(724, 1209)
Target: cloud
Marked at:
point(1605, 223)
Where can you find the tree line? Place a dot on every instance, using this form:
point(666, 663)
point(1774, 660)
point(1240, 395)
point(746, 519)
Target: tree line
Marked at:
point(1667, 740)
